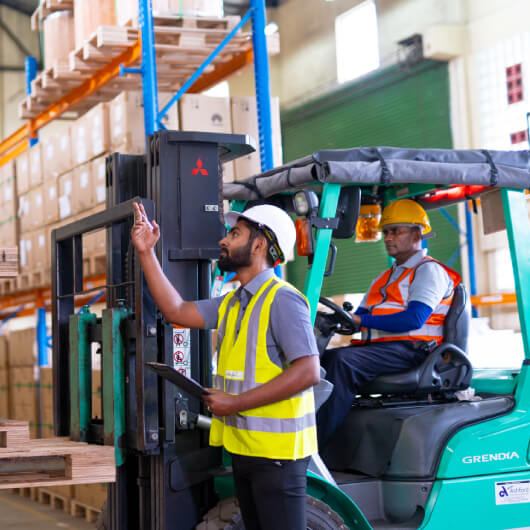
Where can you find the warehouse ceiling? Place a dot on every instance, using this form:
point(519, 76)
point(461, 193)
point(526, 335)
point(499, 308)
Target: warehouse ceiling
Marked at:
point(232, 7)
point(23, 6)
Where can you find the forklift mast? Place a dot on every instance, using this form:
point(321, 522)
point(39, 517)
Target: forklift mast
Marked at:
point(165, 466)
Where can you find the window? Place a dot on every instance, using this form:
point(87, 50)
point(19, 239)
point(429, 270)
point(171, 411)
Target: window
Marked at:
point(357, 42)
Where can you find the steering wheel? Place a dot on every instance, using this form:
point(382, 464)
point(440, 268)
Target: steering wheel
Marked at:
point(340, 321)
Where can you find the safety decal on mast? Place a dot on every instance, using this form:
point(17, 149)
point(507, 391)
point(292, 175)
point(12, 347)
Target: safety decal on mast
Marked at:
point(182, 351)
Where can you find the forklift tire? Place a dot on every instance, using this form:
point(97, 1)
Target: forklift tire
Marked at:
point(226, 516)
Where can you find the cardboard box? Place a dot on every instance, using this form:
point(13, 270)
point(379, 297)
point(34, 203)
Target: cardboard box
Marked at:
point(22, 348)
point(98, 134)
point(56, 155)
point(35, 165)
point(245, 121)
point(3, 353)
point(91, 494)
point(207, 114)
point(22, 172)
point(127, 130)
point(23, 393)
point(82, 188)
point(46, 388)
point(24, 205)
point(4, 393)
point(41, 249)
point(80, 141)
point(99, 188)
point(65, 195)
point(9, 232)
point(51, 201)
point(8, 197)
point(91, 134)
point(36, 208)
point(25, 252)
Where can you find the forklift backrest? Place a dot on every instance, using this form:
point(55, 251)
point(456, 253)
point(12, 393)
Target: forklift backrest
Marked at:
point(456, 325)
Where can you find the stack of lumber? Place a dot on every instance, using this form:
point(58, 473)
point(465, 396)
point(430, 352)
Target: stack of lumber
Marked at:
point(26, 462)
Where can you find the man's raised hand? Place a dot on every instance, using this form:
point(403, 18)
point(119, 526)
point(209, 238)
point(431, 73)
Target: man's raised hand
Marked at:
point(144, 234)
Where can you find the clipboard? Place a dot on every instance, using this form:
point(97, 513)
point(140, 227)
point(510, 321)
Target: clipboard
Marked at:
point(177, 378)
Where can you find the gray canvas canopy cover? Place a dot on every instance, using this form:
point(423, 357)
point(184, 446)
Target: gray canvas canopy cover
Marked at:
point(387, 166)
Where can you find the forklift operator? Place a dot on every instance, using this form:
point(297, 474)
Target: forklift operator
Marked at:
point(262, 404)
point(401, 316)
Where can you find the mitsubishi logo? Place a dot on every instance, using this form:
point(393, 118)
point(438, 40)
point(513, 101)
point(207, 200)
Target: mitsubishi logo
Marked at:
point(199, 168)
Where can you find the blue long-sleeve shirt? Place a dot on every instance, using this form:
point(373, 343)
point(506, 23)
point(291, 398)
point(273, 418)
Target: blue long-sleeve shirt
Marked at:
point(413, 317)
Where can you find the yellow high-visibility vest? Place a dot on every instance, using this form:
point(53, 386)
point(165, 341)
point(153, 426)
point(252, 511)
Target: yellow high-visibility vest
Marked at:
point(284, 430)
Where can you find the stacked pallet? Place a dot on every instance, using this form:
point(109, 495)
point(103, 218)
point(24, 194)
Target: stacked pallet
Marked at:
point(182, 43)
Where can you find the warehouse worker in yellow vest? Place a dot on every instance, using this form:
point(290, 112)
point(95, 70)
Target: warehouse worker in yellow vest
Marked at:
point(262, 404)
point(401, 316)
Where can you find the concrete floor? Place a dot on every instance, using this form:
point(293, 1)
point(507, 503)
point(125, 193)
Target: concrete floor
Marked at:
point(20, 513)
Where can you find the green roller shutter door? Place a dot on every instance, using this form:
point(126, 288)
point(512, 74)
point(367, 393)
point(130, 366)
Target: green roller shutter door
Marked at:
point(392, 107)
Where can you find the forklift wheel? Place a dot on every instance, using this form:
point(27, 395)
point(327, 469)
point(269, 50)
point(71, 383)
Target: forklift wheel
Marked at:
point(226, 516)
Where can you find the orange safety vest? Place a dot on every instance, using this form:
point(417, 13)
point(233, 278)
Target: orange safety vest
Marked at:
point(386, 298)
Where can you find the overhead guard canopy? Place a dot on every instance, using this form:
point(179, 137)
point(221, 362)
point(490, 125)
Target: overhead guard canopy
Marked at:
point(386, 166)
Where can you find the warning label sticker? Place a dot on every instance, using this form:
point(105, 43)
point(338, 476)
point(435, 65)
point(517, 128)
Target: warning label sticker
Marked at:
point(512, 492)
point(181, 351)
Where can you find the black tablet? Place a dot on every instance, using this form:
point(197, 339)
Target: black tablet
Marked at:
point(174, 376)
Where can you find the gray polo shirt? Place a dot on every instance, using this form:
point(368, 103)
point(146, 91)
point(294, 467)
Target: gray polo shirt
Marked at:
point(290, 334)
point(430, 285)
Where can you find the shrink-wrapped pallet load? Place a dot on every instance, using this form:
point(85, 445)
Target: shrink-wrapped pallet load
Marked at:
point(58, 36)
point(127, 10)
point(89, 14)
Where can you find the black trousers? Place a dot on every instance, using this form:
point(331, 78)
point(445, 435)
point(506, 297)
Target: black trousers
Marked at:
point(351, 367)
point(271, 493)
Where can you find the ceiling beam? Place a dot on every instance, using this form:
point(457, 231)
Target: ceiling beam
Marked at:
point(18, 6)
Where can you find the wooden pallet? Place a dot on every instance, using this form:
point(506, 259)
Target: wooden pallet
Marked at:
point(33, 279)
point(51, 461)
point(59, 502)
point(28, 493)
point(94, 265)
point(89, 513)
point(8, 262)
point(8, 287)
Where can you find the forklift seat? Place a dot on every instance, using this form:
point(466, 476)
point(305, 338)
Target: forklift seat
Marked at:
point(446, 369)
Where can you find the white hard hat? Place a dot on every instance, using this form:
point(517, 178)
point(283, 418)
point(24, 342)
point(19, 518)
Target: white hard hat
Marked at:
point(275, 219)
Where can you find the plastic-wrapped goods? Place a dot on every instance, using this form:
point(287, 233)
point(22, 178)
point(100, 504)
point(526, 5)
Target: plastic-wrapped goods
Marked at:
point(59, 38)
point(127, 10)
point(89, 15)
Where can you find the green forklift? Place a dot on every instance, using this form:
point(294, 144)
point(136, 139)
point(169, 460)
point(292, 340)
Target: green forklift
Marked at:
point(411, 454)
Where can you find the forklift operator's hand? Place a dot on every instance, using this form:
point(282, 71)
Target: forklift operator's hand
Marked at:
point(144, 234)
point(220, 403)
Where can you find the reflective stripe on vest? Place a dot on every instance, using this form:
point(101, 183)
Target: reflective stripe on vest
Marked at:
point(387, 298)
point(283, 430)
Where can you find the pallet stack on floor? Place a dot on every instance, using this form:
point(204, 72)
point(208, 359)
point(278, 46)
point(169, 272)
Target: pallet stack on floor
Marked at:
point(20, 392)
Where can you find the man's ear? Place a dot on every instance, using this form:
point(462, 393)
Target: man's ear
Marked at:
point(261, 246)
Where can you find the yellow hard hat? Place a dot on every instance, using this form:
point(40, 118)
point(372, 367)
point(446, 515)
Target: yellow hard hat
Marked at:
point(406, 212)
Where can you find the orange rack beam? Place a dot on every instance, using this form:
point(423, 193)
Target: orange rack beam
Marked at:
point(41, 297)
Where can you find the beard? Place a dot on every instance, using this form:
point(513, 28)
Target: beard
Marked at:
point(240, 258)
